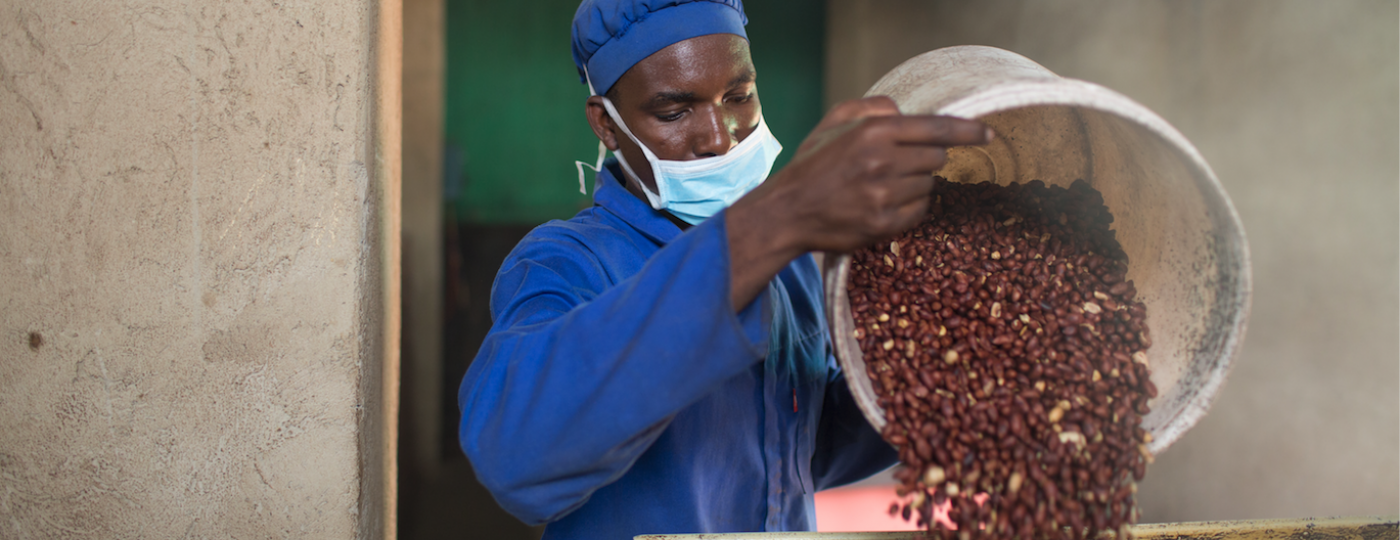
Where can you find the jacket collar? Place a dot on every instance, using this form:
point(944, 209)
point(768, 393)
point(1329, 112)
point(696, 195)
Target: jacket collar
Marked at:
point(635, 212)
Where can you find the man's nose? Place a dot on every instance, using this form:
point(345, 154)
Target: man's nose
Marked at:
point(716, 134)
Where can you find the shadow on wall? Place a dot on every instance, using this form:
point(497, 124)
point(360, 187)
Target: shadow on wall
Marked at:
point(451, 503)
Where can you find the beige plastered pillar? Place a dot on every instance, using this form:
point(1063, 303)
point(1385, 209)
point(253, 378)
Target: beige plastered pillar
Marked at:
point(199, 209)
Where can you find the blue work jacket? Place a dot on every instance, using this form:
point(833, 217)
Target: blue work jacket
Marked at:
point(619, 393)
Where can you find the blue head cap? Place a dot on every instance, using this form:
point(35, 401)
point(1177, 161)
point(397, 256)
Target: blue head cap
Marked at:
point(611, 36)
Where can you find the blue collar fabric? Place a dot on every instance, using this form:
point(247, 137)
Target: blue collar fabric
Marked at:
point(612, 196)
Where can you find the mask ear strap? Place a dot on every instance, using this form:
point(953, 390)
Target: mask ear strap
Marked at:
point(597, 167)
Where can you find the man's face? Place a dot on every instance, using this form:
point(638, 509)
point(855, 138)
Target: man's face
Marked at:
point(694, 99)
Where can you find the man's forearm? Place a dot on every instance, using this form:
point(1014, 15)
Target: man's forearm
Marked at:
point(761, 244)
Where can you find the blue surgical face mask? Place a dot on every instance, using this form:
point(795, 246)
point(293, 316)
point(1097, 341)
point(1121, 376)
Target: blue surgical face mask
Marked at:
point(697, 189)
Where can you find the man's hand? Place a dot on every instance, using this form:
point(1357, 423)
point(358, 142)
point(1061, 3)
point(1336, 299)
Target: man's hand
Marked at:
point(862, 175)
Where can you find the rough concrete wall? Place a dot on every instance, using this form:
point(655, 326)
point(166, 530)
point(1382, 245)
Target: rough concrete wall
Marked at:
point(1294, 105)
point(192, 314)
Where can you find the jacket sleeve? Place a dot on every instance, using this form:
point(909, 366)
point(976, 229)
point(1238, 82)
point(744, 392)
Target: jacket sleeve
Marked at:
point(578, 378)
point(848, 448)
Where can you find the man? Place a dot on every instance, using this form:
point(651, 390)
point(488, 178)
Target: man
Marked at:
point(660, 362)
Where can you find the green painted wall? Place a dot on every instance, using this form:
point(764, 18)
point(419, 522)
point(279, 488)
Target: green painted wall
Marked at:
point(788, 40)
point(514, 107)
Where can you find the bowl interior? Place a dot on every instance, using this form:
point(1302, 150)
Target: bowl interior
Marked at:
point(1186, 251)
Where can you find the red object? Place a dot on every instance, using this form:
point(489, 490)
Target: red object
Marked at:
point(859, 509)
point(867, 509)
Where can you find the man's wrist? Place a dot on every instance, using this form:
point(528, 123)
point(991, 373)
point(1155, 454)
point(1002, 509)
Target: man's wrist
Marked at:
point(767, 223)
point(763, 239)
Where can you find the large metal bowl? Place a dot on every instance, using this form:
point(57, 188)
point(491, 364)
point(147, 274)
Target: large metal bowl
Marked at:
point(1186, 248)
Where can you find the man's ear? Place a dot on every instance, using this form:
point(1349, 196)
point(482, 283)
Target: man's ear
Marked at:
point(602, 124)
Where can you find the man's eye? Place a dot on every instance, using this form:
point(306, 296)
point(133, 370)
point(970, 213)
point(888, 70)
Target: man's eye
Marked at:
point(742, 98)
point(671, 117)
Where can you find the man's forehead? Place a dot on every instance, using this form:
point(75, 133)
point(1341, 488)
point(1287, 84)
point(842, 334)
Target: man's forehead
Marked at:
point(665, 97)
point(713, 61)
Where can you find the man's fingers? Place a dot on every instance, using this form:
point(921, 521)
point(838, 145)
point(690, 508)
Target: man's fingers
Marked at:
point(911, 214)
point(909, 188)
point(856, 109)
point(872, 106)
point(911, 160)
point(935, 130)
point(843, 117)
